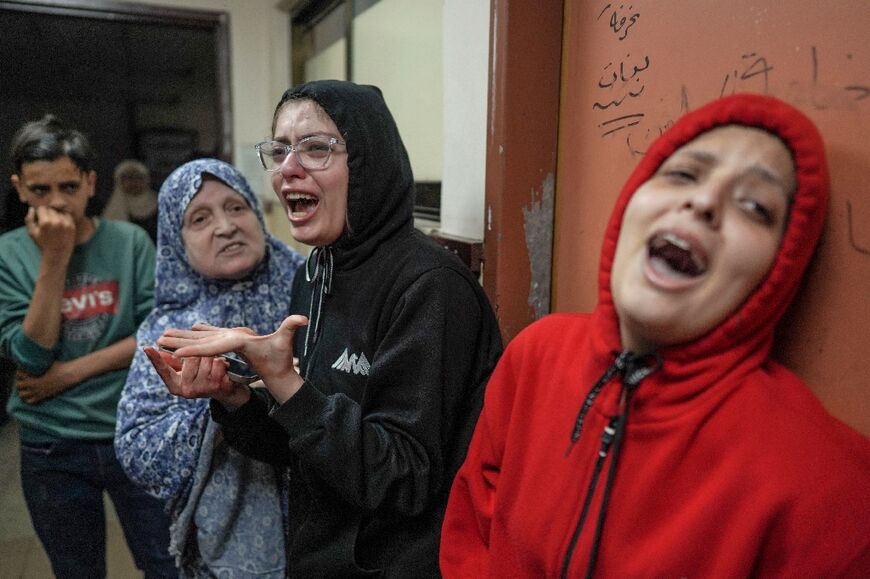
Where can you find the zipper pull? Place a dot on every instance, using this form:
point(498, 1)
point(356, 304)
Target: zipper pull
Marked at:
point(607, 437)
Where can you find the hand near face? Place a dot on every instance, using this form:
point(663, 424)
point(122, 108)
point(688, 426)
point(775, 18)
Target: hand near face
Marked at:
point(53, 232)
point(197, 377)
point(271, 356)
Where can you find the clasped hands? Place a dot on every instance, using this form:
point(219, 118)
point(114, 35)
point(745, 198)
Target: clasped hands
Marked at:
point(194, 371)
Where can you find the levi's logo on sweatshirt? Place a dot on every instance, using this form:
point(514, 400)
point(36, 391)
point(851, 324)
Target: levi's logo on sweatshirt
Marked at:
point(89, 300)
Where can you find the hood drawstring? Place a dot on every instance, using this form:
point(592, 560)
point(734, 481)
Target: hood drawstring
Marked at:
point(321, 277)
point(636, 368)
point(633, 369)
point(617, 365)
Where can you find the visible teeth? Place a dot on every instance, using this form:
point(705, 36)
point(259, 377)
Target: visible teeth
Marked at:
point(674, 240)
point(232, 247)
point(299, 197)
point(678, 254)
point(300, 204)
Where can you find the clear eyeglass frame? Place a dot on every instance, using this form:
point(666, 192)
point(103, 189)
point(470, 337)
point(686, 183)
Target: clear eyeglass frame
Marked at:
point(313, 152)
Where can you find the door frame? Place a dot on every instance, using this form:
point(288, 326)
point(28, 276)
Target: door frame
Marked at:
point(522, 143)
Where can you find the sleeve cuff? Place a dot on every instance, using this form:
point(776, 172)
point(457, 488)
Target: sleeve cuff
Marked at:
point(302, 412)
point(30, 356)
point(253, 409)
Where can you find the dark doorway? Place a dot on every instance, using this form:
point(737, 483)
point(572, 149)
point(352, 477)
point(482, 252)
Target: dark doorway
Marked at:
point(142, 82)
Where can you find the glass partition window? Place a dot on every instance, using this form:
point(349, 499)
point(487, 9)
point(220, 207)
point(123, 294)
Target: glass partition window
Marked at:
point(396, 45)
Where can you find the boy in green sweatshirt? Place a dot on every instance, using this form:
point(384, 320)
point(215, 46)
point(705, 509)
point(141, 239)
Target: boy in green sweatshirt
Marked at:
point(73, 290)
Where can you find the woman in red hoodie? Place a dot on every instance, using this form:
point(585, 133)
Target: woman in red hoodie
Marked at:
point(656, 437)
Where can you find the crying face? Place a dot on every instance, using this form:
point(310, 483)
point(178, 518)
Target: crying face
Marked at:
point(699, 236)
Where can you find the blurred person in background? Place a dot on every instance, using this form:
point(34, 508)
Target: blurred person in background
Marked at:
point(132, 198)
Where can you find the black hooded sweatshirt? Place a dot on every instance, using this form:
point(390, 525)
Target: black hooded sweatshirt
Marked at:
point(400, 343)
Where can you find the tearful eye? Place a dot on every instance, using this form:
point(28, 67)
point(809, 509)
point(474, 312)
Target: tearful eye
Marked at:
point(681, 176)
point(276, 152)
point(315, 149)
point(758, 210)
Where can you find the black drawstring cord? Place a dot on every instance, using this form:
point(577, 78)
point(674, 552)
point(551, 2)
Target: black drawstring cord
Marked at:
point(323, 266)
point(633, 369)
point(622, 361)
point(633, 373)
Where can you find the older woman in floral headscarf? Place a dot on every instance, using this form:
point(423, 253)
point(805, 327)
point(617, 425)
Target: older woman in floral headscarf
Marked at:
point(217, 264)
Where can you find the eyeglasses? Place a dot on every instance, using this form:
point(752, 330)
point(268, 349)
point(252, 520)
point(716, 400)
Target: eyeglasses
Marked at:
point(312, 153)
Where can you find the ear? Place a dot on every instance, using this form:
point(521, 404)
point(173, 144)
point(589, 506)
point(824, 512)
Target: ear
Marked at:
point(91, 182)
point(16, 182)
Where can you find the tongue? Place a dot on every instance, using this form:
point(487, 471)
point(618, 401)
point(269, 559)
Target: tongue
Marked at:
point(302, 207)
point(677, 260)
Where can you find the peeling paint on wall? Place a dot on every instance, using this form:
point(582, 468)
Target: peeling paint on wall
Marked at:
point(538, 227)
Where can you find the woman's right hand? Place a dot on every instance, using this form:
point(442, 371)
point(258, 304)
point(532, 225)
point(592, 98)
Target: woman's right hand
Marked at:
point(198, 377)
point(271, 356)
point(53, 231)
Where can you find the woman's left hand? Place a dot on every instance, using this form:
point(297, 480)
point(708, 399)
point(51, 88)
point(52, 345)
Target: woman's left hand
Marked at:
point(271, 356)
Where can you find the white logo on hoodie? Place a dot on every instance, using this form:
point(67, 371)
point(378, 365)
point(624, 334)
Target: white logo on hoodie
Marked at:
point(351, 363)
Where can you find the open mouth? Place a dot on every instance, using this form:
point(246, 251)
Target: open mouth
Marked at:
point(673, 255)
point(301, 204)
point(232, 247)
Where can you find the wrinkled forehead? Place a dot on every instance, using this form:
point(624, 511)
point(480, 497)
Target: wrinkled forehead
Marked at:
point(743, 149)
point(299, 109)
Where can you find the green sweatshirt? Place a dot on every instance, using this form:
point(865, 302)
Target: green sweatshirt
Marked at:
point(109, 291)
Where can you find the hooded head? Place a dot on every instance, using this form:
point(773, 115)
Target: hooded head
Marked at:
point(380, 189)
point(740, 190)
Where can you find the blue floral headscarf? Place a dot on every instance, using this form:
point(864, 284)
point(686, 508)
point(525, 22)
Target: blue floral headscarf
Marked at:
point(160, 438)
point(251, 302)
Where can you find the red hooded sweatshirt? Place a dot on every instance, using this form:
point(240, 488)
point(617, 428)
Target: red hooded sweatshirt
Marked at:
point(708, 459)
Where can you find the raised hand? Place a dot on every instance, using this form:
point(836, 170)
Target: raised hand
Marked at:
point(197, 377)
point(53, 231)
point(271, 356)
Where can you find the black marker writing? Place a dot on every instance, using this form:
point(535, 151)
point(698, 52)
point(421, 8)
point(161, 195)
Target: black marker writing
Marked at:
point(625, 120)
point(619, 23)
point(757, 67)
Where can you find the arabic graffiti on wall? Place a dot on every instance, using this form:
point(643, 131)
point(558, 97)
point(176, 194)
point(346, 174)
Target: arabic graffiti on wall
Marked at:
point(620, 87)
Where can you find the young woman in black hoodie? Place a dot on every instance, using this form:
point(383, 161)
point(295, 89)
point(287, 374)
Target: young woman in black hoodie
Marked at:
point(395, 340)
